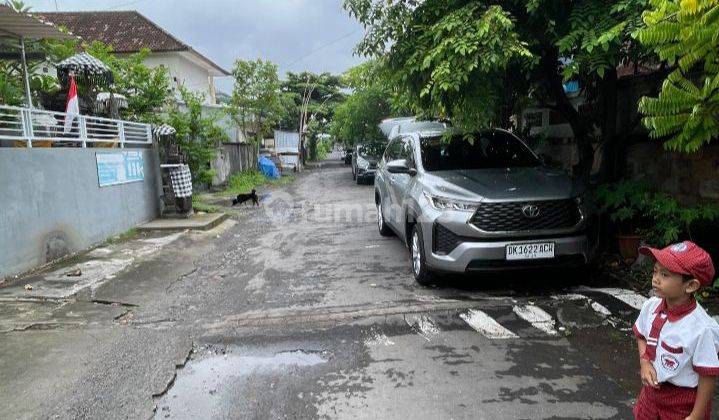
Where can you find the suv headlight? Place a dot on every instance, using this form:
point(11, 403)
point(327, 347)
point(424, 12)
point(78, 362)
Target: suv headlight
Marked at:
point(444, 203)
point(585, 204)
point(362, 162)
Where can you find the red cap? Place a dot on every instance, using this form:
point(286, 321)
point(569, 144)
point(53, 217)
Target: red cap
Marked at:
point(684, 258)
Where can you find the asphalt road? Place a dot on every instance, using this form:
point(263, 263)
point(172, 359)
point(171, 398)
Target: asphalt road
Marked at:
point(299, 309)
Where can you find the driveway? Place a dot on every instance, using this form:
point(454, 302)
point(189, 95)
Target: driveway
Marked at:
point(299, 309)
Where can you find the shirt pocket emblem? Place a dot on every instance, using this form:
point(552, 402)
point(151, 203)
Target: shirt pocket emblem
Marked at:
point(670, 349)
point(669, 362)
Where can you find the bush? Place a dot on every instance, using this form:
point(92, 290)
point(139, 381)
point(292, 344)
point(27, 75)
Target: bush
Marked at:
point(245, 181)
point(197, 135)
point(626, 204)
point(324, 147)
point(660, 218)
point(673, 221)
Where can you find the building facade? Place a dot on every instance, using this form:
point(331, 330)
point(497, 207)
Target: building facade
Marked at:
point(129, 32)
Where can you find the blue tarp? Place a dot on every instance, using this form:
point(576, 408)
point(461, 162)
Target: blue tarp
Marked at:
point(268, 168)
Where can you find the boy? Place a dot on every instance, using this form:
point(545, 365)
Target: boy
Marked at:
point(678, 342)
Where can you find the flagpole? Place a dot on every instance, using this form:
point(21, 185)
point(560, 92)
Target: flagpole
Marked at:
point(28, 96)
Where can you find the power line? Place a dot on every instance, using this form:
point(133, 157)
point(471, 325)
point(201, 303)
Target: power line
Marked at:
point(288, 66)
point(130, 3)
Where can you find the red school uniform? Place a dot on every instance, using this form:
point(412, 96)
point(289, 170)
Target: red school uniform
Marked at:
point(682, 343)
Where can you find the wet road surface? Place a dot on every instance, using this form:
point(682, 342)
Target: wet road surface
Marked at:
point(300, 309)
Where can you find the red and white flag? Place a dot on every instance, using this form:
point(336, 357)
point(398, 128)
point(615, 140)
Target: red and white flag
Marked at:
point(72, 109)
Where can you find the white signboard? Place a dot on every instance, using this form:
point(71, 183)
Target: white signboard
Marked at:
point(119, 167)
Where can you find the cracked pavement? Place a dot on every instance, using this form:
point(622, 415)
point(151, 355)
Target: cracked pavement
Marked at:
point(306, 312)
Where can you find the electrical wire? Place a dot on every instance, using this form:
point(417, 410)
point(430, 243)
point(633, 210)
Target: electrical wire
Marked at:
point(130, 3)
point(288, 66)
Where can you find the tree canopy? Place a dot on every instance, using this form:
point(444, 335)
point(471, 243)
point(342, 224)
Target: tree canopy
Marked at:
point(197, 133)
point(684, 34)
point(323, 91)
point(473, 61)
point(256, 103)
point(357, 119)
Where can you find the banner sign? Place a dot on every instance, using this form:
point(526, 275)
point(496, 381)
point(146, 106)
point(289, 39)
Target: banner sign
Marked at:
point(119, 167)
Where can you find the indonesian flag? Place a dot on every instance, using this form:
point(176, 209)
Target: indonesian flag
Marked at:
point(72, 109)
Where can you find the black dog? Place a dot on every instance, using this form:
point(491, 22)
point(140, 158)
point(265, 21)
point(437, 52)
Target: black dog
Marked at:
point(241, 198)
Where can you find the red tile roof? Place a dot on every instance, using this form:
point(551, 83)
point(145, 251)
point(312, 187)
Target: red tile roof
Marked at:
point(125, 31)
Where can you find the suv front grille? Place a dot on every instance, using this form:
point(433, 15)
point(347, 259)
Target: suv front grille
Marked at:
point(509, 217)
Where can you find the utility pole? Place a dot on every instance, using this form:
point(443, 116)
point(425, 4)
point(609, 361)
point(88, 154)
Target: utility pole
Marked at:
point(306, 97)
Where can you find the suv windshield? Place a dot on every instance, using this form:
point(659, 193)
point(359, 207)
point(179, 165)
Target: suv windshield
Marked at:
point(489, 149)
point(371, 149)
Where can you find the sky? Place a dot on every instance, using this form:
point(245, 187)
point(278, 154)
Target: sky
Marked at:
point(297, 35)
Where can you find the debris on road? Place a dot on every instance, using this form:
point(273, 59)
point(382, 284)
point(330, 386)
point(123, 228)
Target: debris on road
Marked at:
point(74, 273)
point(28, 287)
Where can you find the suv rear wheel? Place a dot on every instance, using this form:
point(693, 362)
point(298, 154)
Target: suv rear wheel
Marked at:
point(422, 274)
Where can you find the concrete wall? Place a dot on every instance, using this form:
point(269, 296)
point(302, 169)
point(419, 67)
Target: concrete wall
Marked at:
point(51, 204)
point(232, 158)
point(690, 177)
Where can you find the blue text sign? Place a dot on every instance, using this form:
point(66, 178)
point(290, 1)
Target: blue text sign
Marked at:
point(119, 167)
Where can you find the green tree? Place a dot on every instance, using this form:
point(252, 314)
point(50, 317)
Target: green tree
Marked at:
point(358, 117)
point(256, 103)
point(323, 91)
point(147, 89)
point(198, 135)
point(684, 35)
point(313, 98)
point(474, 61)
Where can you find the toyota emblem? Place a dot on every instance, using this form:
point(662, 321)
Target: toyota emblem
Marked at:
point(530, 211)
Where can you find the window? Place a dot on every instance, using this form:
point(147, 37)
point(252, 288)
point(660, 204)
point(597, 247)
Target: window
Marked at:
point(533, 119)
point(371, 149)
point(407, 153)
point(488, 149)
point(394, 150)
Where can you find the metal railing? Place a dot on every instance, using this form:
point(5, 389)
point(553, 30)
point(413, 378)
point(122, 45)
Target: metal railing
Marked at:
point(26, 125)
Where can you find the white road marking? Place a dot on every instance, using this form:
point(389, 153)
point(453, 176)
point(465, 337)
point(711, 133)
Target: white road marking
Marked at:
point(569, 296)
point(486, 325)
point(537, 317)
point(378, 338)
point(598, 307)
point(424, 326)
point(630, 297)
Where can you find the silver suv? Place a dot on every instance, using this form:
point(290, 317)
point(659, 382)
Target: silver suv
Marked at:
point(479, 202)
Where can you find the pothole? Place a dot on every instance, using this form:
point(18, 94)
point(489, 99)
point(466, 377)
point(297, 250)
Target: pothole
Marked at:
point(203, 387)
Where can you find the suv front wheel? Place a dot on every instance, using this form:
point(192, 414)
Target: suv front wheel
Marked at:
point(384, 229)
point(422, 274)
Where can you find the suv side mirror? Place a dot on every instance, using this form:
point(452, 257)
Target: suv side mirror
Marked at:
point(399, 166)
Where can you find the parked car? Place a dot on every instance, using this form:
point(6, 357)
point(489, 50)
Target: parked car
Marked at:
point(479, 202)
point(365, 159)
point(348, 156)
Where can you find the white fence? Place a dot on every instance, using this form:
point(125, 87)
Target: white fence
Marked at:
point(26, 125)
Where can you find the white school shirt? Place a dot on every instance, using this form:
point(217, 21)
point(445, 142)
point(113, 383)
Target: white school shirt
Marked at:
point(688, 343)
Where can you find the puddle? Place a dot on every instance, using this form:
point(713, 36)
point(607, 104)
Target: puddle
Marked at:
point(203, 386)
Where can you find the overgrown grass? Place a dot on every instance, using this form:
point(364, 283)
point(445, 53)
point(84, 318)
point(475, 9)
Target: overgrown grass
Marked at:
point(246, 181)
point(128, 234)
point(199, 205)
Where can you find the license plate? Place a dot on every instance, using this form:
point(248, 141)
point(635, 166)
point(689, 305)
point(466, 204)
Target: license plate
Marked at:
point(534, 251)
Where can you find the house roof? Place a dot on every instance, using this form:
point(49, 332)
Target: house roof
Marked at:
point(126, 32)
point(25, 25)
